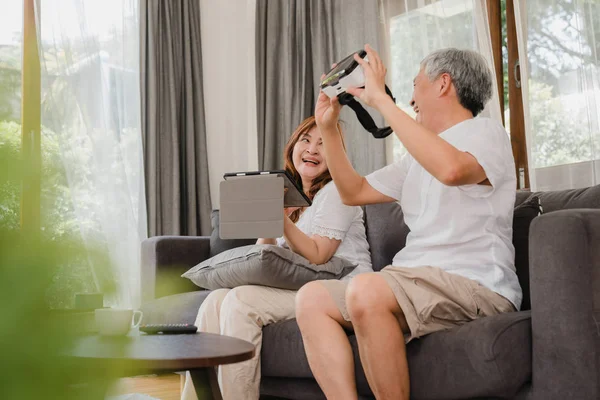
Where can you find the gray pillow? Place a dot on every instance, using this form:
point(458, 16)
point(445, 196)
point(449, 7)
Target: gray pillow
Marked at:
point(265, 265)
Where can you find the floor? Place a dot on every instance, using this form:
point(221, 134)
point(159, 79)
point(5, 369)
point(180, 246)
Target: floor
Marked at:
point(164, 387)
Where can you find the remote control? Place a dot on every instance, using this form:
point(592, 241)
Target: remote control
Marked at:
point(154, 329)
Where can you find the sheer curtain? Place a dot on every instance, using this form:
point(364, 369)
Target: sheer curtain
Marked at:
point(559, 51)
point(415, 28)
point(91, 103)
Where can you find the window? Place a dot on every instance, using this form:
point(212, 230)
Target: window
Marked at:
point(416, 28)
point(555, 93)
point(11, 36)
point(562, 42)
point(81, 141)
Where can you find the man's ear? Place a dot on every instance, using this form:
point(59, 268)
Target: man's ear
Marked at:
point(445, 84)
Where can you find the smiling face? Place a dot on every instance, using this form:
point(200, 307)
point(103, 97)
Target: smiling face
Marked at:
point(308, 156)
point(424, 98)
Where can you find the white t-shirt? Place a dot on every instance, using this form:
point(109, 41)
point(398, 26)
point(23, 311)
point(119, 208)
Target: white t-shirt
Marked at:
point(329, 217)
point(464, 230)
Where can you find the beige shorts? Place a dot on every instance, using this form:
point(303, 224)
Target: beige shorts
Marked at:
point(430, 298)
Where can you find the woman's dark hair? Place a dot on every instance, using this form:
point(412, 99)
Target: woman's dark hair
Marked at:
point(320, 181)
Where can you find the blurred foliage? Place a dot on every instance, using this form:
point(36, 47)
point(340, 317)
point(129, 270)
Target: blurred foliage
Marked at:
point(10, 82)
point(40, 273)
point(33, 340)
point(59, 223)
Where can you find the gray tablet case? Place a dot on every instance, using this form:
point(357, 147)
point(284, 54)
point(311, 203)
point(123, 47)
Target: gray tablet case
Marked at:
point(293, 197)
point(251, 207)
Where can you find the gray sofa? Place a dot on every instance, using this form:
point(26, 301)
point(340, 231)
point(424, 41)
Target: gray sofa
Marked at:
point(549, 352)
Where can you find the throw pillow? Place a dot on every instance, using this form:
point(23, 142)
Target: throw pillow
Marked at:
point(524, 213)
point(265, 265)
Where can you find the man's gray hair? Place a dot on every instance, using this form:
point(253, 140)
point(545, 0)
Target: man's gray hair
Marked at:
point(469, 72)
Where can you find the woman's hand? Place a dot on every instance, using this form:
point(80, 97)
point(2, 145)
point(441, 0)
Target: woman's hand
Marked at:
point(374, 70)
point(289, 210)
point(327, 112)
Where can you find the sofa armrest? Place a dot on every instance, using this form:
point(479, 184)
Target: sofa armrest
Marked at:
point(165, 258)
point(564, 259)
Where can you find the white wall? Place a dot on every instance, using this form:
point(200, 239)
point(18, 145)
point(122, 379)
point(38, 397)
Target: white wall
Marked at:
point(228, 62)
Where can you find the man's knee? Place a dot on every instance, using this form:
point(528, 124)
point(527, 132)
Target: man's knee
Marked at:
point(369, 294)
point(312, 300)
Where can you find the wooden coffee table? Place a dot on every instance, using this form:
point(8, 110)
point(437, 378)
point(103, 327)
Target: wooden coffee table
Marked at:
point(145, 354)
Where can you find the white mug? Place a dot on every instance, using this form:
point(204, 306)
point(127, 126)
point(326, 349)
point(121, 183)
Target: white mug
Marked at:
point(116, 322)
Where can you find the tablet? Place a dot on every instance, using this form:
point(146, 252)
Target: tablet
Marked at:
point(294, 196)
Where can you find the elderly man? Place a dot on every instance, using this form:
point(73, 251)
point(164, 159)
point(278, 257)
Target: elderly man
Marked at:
point(456, 187)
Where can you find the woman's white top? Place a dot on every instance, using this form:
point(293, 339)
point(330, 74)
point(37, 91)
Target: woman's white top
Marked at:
point(329, 217)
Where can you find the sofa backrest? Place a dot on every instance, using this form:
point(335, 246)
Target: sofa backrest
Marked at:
point(386, 232)
point(568, 199)
point(218, 245)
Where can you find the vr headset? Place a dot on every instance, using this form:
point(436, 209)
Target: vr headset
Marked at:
point(348, 73)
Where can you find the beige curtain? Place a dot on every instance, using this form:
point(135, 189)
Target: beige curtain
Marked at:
point(297, 41)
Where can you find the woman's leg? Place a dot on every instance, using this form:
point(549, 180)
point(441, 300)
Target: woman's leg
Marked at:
point(206, 321)
point(244, 312)
point(326, 344)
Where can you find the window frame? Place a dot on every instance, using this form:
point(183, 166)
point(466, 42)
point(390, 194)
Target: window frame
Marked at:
point(31, 150)
point(515, 98)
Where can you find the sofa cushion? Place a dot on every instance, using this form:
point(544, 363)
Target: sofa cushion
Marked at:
point(489, 357)
point(291, 388)
point(282, 342)
point(265, 265)
point(179, 308)
point(524, 214)
point(218, 245)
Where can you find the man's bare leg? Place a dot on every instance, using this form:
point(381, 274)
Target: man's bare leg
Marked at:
point(375, 316)
point(326, 344)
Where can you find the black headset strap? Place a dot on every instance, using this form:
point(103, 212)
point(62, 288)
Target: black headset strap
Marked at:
point(363, 116)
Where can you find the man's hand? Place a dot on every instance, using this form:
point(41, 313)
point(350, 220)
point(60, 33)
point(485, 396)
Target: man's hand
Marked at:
point(374, 70)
